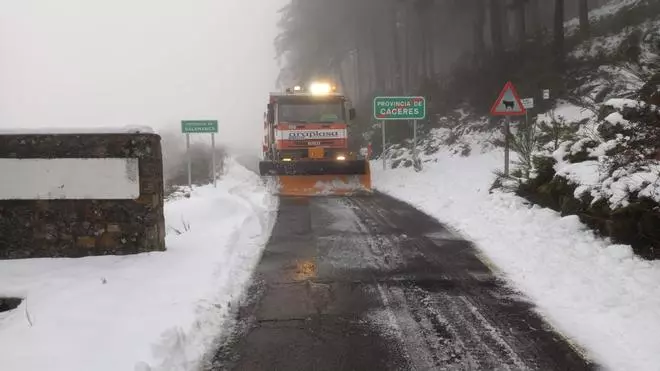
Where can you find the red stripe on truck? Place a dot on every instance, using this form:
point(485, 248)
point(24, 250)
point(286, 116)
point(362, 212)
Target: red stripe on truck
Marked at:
point(306, 126)
point(298, 144)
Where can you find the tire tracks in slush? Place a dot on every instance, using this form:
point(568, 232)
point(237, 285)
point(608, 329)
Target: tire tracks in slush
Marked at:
point(389, 282)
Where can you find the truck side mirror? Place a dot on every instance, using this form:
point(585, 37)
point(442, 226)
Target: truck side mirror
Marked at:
point(271, 114)
point(351, 114)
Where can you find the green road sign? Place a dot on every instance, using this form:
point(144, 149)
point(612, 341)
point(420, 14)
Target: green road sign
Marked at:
point(199, 126)
point(399, 108)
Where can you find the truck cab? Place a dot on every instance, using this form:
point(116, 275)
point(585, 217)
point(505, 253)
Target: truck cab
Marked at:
point(305, 144)
point(307, 125)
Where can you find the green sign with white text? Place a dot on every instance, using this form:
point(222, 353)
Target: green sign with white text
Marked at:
point(199, 126)
point(399, 108)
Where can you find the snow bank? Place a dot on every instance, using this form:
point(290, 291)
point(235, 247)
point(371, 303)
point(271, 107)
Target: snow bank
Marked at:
point(637, 179)
point(598, 45)
point(462, 137)
point(611, 44)
point(621, 103)
point(641, 180)
point(158, 311)
point(597, 294)
point(586, 173)
point(611, 8)
point(616, 118)
point(568, 112)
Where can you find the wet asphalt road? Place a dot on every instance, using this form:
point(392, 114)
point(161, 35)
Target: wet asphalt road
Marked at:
point(369, 283)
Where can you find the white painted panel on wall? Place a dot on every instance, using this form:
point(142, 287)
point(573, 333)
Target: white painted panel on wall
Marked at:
point(69, 178)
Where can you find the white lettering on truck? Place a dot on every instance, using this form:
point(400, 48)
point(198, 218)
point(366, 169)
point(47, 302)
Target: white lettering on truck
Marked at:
point(307, 134)
point(313, 134)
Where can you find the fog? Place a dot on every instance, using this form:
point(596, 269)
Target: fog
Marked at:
point(87, 63)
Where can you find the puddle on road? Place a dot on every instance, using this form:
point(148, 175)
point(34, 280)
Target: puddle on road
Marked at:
point(305, 270)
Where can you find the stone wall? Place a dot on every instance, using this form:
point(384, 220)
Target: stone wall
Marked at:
point(67, 226)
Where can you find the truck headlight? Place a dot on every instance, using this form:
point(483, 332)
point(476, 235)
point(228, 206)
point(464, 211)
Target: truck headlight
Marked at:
point(320, 88)
point(341, 158)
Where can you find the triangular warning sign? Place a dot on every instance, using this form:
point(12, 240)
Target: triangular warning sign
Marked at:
point(508, 103)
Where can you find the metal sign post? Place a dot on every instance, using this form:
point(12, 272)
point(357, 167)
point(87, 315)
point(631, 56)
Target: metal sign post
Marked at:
point(508, 104)
point(215, 185)
point(507, 141)
point(189, 160)
point(400, 108)
point(382, 124)
point(417, 165)
point(195, 127)
point(415, 140)
point(527, 120)
point(528, 103)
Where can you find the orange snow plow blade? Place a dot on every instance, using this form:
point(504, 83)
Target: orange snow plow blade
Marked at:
point(318, 185)
point(319, 178)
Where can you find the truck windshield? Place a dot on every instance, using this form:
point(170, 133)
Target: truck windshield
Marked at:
point(311, 112)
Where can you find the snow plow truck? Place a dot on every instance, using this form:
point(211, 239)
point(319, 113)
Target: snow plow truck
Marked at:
point(305, 145)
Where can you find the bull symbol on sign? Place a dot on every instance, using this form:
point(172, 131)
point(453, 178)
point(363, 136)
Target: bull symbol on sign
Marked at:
point(508, 104)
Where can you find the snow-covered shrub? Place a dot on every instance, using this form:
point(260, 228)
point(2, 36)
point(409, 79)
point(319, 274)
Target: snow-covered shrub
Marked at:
point(650, 92)
point(635, 126)
point(554, 130)
point(609, 177)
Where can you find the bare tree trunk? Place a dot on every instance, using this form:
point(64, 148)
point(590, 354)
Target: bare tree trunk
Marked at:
point(584, 18)
point(437, 49)
point(355, 76)
point(404, 21)
point(416, 40)
point(559, 33)
point(380, 61)
point(368, 71)
point(496, 12)
point(425, 48)
point(535, 17)
point(396, 53)
point(521, 25)
point(358, 42)
point(423, 10)
point(479, 26)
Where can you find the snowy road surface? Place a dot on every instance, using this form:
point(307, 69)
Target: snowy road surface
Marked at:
point(371, 283)
point(595, 291)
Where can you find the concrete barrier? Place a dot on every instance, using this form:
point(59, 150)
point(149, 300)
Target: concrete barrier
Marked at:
point(75, 195)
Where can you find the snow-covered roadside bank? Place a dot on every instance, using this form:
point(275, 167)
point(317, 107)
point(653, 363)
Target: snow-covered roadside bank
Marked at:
point(597, 294)
point(155, 311)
